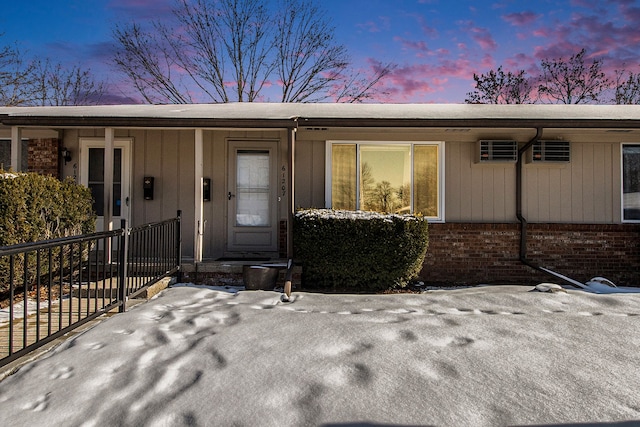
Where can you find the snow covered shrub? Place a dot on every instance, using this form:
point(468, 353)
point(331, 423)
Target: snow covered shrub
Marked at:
point(36, 207)
point(358, 251)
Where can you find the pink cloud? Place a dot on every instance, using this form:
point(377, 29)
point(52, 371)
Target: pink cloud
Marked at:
point(369, 26)
point(612, 39)
point(420, 46)
point(483, 38)
point(142, 9)
point(416, 81)
point(375, 27)
point(541, 32)
point(520, 18)
point(631, 14)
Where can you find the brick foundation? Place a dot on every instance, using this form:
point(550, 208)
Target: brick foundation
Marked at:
point(282, 239)
point(468, 253)
point(43, 157)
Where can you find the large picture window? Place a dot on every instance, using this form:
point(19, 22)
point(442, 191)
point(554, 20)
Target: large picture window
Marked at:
point(631, 182)
point(386, 177)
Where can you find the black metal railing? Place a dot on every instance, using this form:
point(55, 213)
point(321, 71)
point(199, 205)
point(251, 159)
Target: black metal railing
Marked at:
point(57, 285)
point(153, 253)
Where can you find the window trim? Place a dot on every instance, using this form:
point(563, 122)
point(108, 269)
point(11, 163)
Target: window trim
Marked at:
point(440, 218)
point(622, 219)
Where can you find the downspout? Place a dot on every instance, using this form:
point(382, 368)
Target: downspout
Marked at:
point(521, 218)
point(523, 221)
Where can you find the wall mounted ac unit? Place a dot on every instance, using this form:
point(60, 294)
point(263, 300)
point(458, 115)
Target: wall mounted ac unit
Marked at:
point(550, 151)
point(497, 151)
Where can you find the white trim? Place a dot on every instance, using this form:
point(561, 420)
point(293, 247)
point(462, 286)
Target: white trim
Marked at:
point(625, 221)
point(16, 149)
point(126, 145)
point(109, 145)
point(198, 171)
point(411, 144)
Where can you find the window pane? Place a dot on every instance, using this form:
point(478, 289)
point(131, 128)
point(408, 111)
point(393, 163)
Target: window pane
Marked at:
point(97, 191)
point(425, 180)
point(252, 188)
point(631, 182)
point(343, 176)
point(96, 180)
point(96, 165)
point(385, 178)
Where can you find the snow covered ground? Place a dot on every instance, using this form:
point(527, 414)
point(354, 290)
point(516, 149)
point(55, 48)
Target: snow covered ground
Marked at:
point(482, 356)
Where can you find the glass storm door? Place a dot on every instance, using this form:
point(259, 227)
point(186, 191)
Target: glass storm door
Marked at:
point(93, 177)
point(252, 197)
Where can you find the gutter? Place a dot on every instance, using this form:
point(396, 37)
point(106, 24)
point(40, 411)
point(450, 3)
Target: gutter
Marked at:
point(145, 122)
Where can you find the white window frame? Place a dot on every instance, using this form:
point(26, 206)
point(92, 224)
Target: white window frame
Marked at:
point(441, 170)
point(626, 221)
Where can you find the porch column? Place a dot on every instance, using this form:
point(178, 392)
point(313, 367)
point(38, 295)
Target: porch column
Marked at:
point(108, 178)
point(16, 149)
point(199, 212)
point(292, 190)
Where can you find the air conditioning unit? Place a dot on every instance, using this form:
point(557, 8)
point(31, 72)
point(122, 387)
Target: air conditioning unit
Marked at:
point(497, 151)
point(550, 151)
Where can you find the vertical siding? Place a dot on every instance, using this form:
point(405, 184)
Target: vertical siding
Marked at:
point(477, 192)
point(214, 158)
point(585, 190)
point(166, 155)
point(310, 174)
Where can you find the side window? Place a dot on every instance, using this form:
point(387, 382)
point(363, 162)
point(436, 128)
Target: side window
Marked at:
point(631, 182)
point(5, 154)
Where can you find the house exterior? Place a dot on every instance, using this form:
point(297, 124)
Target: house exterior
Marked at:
point(506, 188)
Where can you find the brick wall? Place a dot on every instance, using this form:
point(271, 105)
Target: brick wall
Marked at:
point(43, 157)
point(489, 253)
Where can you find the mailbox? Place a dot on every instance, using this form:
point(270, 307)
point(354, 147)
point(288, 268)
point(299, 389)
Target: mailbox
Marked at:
point(148, 188)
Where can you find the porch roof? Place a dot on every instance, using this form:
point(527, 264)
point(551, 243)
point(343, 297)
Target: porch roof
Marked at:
point(289, 115)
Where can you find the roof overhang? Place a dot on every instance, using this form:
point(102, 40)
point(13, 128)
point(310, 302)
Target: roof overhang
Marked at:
point(289, 115)
point(469, 123)
point(144, 122)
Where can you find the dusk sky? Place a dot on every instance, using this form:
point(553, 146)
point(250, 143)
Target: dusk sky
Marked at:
point(436, 45)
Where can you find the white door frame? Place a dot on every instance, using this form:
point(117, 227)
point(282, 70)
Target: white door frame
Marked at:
point(106, 222)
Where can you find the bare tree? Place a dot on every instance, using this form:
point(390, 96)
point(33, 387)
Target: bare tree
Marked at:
point(15, 77)
point(39, 82)
point(311, 65)
point(498, 87)
point(53, 84)
point(627, 89)
point(230, 50)
point(149, 65)
point(572, 81)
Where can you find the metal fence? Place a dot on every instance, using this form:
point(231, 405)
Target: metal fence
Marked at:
point(57, 285)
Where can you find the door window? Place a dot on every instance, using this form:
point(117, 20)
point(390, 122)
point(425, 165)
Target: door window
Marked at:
point(96, 180)
point(252, 189)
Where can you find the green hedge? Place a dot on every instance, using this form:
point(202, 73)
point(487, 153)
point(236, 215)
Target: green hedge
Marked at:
point(36, 207)
point(358, 251)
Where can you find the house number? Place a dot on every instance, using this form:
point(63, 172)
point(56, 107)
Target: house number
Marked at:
point(283, 181)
